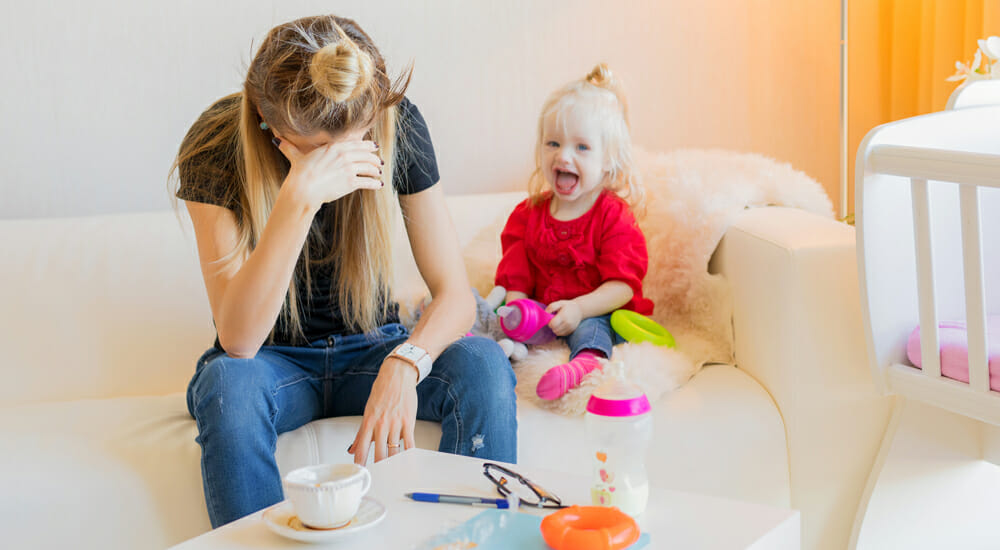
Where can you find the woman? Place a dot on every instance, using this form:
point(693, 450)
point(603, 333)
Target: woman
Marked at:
point(284, 183)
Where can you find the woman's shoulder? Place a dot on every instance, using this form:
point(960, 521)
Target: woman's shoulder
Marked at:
point(207, 160)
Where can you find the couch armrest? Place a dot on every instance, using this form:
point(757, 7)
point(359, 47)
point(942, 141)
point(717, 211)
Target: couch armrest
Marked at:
point(798, 331)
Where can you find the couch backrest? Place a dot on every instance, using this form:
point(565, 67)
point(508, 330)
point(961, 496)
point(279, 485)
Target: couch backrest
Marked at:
point(115, 305)
point(99, 306)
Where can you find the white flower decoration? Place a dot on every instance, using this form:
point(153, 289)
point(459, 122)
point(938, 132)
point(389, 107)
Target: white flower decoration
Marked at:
point(971, 71)
point(991, 47)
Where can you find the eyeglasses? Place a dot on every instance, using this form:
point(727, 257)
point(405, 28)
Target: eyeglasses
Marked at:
point(527, 491)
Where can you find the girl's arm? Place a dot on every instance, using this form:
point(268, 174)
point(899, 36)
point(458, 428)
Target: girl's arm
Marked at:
point(515, 295)
point(391, 410)
point(603, 300)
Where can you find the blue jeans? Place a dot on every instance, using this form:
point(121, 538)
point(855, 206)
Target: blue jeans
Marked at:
point(593, 333)
point(241, 405)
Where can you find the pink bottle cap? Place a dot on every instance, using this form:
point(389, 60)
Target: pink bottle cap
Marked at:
point(618, 397)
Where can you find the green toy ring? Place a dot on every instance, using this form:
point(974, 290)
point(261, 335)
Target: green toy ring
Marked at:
point(635, 327)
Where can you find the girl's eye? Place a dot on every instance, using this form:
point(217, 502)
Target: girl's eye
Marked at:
point(552, 144)
point(583, 147)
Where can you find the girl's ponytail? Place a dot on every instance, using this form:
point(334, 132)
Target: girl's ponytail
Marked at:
point(602, 77)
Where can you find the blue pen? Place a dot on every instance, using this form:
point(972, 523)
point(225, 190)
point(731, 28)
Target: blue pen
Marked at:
point(459, 499)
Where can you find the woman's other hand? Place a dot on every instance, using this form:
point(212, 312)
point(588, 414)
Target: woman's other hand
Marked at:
point(330, 172)
point(390, 414)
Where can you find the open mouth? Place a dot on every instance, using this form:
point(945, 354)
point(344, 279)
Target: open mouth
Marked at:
point(565, 182)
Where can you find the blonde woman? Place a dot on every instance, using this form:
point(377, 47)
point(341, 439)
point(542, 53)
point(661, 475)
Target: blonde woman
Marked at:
point(285, 183)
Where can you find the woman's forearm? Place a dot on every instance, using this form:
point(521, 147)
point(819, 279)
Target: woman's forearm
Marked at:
point(604, 299)
point(447, 318)
point(254, 296)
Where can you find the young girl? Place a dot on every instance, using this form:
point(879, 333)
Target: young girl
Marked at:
point(288, 183)
point(574, 243)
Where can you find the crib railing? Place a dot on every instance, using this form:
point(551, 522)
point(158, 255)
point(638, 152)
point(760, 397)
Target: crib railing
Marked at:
point(890, 161)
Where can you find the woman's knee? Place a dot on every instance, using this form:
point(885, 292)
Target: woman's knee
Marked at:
point(478, 363)
point(230, 388)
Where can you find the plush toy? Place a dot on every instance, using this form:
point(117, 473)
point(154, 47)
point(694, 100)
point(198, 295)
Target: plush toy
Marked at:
point(488, 323)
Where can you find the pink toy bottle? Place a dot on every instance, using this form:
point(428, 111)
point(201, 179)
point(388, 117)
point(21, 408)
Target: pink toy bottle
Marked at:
point(526, 321)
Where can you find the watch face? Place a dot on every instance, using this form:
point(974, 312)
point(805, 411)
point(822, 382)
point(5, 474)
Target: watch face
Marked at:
point(409, 351)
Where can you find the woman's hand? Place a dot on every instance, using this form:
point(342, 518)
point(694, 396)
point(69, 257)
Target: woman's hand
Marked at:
point(391, 412)
point(567, 317)
point(329, 172)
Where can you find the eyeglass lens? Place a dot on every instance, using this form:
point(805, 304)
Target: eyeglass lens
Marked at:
point(510, 482)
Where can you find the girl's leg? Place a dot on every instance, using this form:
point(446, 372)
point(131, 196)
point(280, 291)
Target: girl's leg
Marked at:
point(591, 341)
point(241, 405)
point(470, 391)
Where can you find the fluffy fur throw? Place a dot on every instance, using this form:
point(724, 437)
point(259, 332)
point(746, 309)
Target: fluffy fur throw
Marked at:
point(692, 198)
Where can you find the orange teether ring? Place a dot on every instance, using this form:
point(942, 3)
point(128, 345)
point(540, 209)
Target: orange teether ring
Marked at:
point(589, 528)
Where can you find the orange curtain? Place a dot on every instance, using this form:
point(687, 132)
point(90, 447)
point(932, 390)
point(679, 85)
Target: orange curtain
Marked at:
point(899, 54)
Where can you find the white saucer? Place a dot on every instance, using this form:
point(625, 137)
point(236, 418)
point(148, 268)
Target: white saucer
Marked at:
point(281, 519)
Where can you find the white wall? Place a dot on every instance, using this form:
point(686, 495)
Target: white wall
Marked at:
point(98, 94)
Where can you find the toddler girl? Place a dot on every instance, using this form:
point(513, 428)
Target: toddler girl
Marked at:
point(574, 244)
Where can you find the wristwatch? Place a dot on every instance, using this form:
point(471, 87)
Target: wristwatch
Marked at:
point(416, 356)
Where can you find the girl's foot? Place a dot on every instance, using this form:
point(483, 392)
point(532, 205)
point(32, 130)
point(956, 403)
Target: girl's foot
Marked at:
point(561, 378)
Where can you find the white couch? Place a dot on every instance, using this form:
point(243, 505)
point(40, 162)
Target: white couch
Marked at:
point(104, 318)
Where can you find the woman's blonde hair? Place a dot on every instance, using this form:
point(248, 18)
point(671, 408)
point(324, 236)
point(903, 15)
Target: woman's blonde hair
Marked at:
point(599, 95)
point(312, 75)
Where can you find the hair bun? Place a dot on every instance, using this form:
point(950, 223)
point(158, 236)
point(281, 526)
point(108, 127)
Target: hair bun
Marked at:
point(341, 71)
point(600, 76)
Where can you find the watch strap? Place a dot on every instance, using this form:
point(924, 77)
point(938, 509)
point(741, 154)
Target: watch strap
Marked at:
point(422, 362)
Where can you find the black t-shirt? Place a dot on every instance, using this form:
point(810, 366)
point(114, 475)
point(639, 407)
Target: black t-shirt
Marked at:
point(212, 177)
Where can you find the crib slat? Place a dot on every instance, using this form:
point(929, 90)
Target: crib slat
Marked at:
point(929, 346)
point(975, 294)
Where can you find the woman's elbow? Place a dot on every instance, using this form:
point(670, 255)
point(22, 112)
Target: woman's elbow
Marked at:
point(239, 348)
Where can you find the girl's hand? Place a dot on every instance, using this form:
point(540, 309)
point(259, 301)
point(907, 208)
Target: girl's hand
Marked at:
point(567, 317)
point(390, 414)
point(327, 173)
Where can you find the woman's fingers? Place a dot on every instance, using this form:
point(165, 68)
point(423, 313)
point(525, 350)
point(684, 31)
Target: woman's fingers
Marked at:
point(381, 439)
point(367, 169)
point(409, 441)
point(361, 442)
point(368, 183)
point(290, 151)
point(395, 435)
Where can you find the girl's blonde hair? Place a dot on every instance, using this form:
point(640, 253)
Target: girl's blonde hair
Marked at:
point(311, 75)
point(600, 95)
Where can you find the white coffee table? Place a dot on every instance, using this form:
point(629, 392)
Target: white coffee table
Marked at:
point(673, 519)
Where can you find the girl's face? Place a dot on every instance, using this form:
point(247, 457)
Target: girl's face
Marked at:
point(573, 158)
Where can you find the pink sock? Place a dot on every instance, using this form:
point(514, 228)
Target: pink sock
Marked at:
point(561, 378)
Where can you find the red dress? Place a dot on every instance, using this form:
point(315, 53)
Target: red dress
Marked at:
point(551, 260)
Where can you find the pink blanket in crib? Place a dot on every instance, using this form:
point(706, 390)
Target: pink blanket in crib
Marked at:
point(955, 350)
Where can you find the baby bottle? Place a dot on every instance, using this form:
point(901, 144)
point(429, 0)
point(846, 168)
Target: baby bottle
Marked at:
point(526, 321)
point(619, 425)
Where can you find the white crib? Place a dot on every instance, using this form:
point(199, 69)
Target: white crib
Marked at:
point(928, 231)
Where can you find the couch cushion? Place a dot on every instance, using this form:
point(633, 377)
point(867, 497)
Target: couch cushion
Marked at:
point(116, 473)
point(719, 434)
point(125, 472)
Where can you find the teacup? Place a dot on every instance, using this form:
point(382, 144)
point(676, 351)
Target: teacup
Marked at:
point(327, 496)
